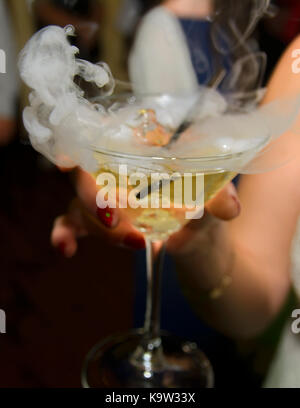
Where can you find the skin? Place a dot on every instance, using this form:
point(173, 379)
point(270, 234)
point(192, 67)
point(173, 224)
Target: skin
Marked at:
point(7, 130)
point(249, 238)
point(189, 8)
point(259, 240)
point(82, 220)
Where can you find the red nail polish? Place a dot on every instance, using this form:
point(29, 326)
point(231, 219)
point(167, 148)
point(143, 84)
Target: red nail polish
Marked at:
point(62, 248)
point(133, 241)
point(107, 217)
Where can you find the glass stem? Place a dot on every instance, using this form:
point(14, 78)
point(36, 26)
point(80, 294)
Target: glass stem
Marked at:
point(155, 252)
point(148, 356)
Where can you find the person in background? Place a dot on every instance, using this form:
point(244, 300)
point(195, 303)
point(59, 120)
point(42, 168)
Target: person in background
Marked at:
point(171, 51)
point(181, 44)
point(9, 84)
point(85, 15)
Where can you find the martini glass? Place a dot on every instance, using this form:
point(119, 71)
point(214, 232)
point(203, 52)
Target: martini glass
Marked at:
point(149, 357)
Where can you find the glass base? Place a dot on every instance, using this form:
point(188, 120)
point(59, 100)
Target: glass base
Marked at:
point(113, 363)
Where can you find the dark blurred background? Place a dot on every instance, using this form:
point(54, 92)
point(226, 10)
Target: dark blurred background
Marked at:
point(57, 309)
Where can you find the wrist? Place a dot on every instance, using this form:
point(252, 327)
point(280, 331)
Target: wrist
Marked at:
point(208, 259)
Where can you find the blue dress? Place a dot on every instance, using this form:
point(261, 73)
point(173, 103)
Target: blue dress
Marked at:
point(207, 62)
point(201, 51)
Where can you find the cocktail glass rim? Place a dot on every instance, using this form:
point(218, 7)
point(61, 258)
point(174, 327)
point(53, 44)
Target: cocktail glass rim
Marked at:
point(171, 159)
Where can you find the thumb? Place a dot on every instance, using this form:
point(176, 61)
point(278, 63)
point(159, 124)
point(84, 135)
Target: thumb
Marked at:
point(226, 204)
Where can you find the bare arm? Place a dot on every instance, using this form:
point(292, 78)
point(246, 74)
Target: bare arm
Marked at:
point(255, 247)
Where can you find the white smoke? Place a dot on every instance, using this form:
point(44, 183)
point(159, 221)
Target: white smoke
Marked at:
point(48, 65)
point(67, 128)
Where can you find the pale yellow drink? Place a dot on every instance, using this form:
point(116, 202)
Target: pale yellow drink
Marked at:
point(158, 217)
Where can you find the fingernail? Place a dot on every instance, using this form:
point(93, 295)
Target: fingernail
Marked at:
point(237, 203)
point(134, 242)
point(107, 217)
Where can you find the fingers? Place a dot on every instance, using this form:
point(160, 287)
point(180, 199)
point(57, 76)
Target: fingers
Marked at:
point(64, 236)
point(110, 223)
point(118, 230)
point(86, 189)
point(65, 169)
point(67, 229)
point(84, 217)
point(108, 217)
point(79, 222)
point(226, 205)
